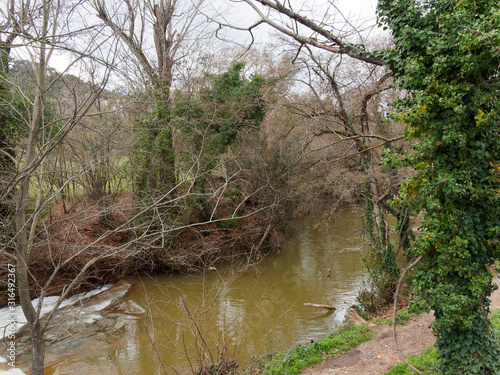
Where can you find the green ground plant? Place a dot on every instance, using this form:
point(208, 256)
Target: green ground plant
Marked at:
point(403, 316)
point(427, 362)
point(295, 360)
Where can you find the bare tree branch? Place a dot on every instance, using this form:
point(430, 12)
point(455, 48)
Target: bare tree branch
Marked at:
point(331, 43)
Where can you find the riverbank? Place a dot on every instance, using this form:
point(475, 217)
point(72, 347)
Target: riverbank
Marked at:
point(379, 355)
point(79, 237)
point(254, 312)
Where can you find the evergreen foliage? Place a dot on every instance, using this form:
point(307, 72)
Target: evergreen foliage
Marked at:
point(211, 121)
point(231, 104)
point(154, 154)
point(446, 59)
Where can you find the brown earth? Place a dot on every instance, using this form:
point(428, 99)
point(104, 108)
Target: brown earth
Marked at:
point(379, 355)
point(76, 230)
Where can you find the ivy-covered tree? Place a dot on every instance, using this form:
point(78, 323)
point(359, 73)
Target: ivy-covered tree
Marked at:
point(156, 35)
point(446, 58)
point(238, 104)
point(212, 120)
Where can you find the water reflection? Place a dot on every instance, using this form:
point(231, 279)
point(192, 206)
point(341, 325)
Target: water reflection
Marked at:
point(250, 313)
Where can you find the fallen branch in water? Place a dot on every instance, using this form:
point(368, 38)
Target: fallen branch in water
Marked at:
point(328, 307)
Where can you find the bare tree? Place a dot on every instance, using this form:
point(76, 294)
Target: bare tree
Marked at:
point(343, 112)
point(170, 25)
point(307, 28)
point(41, 30)
point(347, 117)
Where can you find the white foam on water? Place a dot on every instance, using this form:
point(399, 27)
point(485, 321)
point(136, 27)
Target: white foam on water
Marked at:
point(90, 318)
point(9, 314)
point(12, 371)
point(99, 306)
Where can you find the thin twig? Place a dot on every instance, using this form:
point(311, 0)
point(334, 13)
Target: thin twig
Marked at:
point(153, 344)
point(395, 310)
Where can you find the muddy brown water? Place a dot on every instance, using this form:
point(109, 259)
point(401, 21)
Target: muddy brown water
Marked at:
point(168, 323)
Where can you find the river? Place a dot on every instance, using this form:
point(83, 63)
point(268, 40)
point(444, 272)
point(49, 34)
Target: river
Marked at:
point(178, 322)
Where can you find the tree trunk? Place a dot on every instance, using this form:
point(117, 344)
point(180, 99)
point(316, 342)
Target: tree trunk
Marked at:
point(23, 243)
point(38, 350)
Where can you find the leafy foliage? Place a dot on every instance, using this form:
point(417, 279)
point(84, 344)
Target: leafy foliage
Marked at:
point(211, 121)
point(447, 59)
point(232, 103)
point(14, 108)
point(240, 100)
point(154, 156)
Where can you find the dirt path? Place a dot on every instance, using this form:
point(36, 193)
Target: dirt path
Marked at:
point(379, 355)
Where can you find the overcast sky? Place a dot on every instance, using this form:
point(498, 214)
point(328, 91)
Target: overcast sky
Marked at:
point(358, 8)
point(358, 13)
point(343, 15)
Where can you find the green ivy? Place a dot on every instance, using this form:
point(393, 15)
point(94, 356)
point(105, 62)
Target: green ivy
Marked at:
point(427, 362)
point(154, 154)
point(231, 104)
point(211, 120)
point(238, 102)
point(446, 59)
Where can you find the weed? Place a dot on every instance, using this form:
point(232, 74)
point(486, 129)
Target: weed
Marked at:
point(403, 316)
